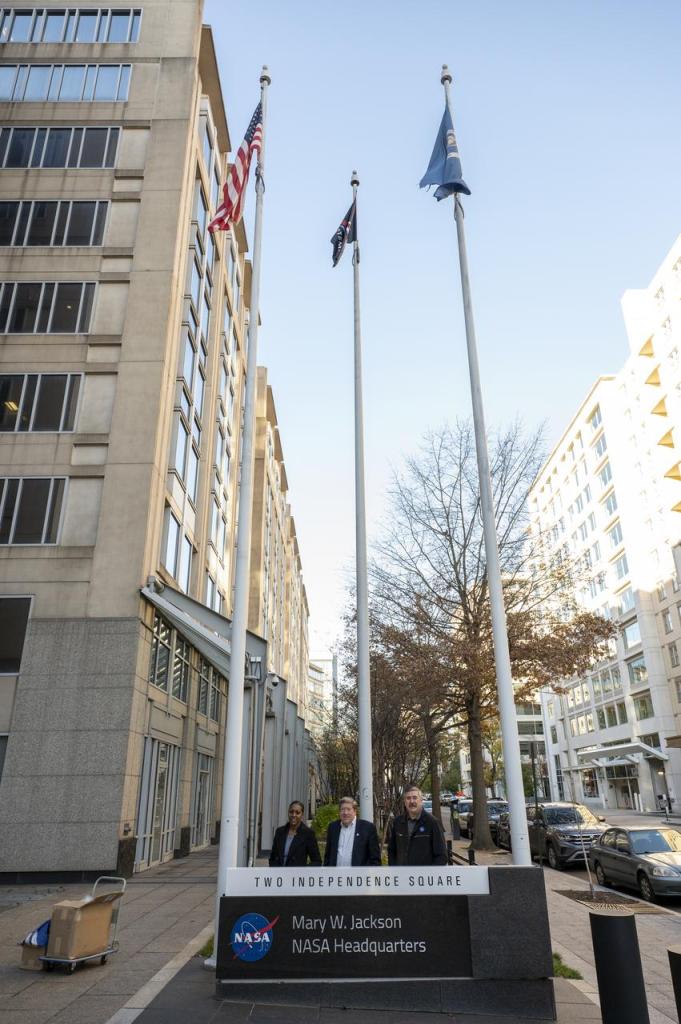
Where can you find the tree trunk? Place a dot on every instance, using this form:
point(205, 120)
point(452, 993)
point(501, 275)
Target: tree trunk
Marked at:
point(482, 840)
point(434, 765)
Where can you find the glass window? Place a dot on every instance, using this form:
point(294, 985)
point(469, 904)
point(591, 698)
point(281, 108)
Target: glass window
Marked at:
point(65, 309)
point(14, 612)
point(615, 535)
point(610, 715)
point(181, 667)
point(41, 224)
point(25, 311)
point(605, 475)
point(192, 473)
point(37, 84)
point(638, 673)
point(72, 82)
point(621, 567)
point(643, 706)
point(50, 402)
point(85, 27)
point(673, 655)
point(19, 149)
point(8, 75)
point(31, 511)
point(632, 635)
point(81, 222)
point(21, 27)
point(118, 27)
point(56, 147)
point(181, 447)
point(94, 147)
point(11, 387)
point(53, 31)
point(625, 600)
point(107, 83)
point(160, 652)
point(184, 574)
point(8, 218)
point(172, 538)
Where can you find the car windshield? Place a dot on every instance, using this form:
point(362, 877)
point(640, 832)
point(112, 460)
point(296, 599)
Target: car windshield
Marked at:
point(655, 840)
point(497, 806)
point(577, 815)
point(464, 805)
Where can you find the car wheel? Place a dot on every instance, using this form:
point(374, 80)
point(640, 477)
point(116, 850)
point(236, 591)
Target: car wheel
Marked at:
point(553, 858)
point(645, 888)
point(600, 875)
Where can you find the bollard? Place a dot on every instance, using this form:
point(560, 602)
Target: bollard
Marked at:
point(618, 968)
point(471, 857)
point(456, 828)
point(450, 852)
point(674, 953)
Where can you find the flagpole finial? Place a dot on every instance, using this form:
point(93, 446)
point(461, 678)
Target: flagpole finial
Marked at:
point(265, 76)
point(354, 180)
point(446, 75)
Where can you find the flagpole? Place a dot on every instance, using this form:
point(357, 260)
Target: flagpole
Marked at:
point(366, 782)
point(231, 772)
point(515, 791)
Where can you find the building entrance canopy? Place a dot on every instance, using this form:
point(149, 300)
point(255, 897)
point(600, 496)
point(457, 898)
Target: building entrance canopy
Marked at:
point(622, 753)
point(207, 631)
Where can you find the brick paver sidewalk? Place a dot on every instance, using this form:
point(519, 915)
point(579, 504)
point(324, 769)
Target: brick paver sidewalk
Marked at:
point(162, 911)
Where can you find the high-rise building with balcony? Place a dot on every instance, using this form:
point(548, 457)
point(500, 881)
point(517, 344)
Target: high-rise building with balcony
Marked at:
point(609, 497)
point(122, 338)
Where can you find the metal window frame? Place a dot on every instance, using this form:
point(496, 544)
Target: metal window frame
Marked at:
point(48, 506)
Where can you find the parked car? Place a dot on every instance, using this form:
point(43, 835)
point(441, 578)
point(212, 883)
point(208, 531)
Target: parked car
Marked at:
point(647, 859)
point(460, 812)
point(428, 806)
point(494, 809)
point(562, 832)
point(503, 839)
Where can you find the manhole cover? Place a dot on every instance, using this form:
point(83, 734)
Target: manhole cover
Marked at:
point(609, 901)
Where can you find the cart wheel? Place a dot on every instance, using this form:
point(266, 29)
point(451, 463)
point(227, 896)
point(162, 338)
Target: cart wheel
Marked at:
point(102, 960)
point(47, 966)
point(70, 968)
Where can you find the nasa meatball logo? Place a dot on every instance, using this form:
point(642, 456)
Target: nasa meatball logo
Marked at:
point(252, 936)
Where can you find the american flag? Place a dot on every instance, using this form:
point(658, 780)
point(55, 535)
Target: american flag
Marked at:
point(231, 208)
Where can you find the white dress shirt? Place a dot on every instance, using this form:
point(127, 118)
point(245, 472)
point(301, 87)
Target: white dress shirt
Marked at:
point(346, 840)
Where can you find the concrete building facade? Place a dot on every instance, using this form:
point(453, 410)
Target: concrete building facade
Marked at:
point(609, 497)
point(122, 338)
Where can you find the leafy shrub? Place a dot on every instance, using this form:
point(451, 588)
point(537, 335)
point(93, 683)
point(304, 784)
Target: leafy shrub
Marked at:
point(323, 818)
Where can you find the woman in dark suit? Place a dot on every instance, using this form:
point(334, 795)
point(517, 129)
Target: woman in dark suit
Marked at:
point(294, 844)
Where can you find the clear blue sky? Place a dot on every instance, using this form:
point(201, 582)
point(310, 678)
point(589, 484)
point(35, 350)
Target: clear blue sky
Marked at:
point(567, 117)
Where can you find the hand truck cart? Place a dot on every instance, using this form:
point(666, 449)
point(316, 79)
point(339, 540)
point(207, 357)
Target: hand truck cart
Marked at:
point(70, 964)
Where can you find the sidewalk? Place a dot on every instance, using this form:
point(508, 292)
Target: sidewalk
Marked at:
point(163, 910)
point(571, 936)
point(156, 978)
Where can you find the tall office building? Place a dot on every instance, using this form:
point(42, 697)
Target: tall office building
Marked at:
point(609, 497)
point(122, 339)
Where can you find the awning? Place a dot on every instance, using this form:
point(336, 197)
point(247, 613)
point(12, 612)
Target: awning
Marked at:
point(606, 756)
point(207, 631)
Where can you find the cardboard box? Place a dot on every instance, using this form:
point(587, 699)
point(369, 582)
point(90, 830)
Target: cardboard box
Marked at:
point(29, 958)
point(81, 927)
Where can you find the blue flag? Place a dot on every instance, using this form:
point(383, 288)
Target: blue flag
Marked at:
point(444, 169)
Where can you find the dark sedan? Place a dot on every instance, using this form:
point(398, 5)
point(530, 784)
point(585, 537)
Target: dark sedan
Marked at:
point(495, 808)
point(647, 859)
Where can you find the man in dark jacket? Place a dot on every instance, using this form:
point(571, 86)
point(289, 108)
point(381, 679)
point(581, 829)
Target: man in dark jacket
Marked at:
point(295, 843)
point(416, 838)
point(351, 841)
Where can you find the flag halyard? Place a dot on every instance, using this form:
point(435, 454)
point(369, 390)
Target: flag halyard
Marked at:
point(230, 210)
point(346, 232)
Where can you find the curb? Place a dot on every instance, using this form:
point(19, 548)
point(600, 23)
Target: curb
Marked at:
point(137, 1003)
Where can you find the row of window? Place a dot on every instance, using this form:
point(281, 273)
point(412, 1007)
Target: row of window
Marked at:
point(58, 147)
point(30, 509)
point(46, 307)
point(38, 401)
point(52, 222)
point(64, 83)
point(173, 664)
point(74, 25)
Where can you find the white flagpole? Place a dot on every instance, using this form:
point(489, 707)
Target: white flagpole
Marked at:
point(231, 773)
point(366, 782)
point(515, 791)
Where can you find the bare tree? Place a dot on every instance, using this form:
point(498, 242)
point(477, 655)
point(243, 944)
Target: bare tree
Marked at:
point(429, 577)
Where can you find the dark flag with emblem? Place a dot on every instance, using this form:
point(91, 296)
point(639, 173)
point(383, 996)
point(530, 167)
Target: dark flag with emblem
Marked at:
point(444, 169)
point(347, 232)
